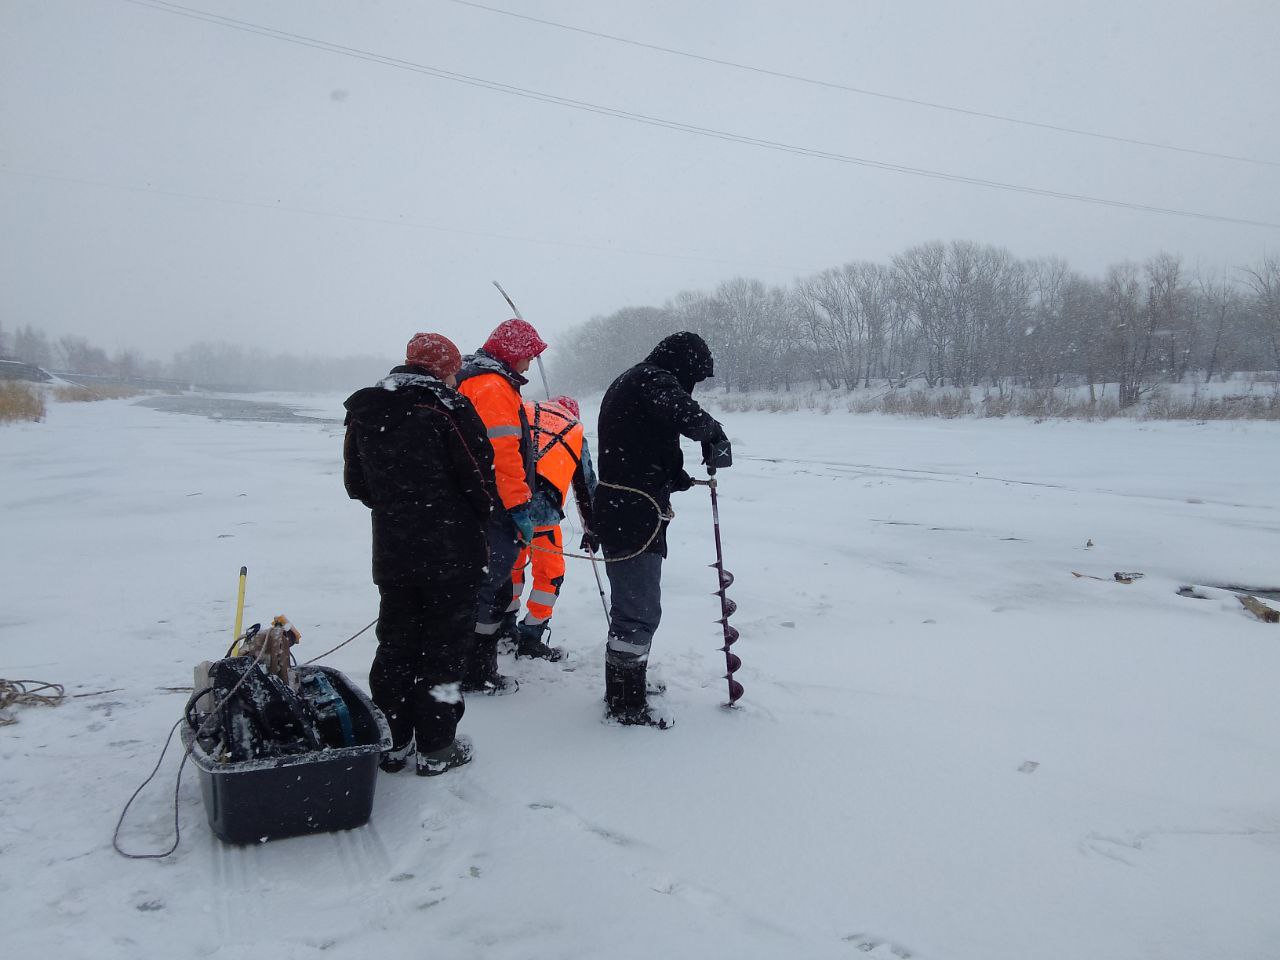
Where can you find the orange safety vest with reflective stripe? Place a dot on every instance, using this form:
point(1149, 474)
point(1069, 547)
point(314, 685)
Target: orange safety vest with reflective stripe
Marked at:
point(499, 406)
point(557, 441)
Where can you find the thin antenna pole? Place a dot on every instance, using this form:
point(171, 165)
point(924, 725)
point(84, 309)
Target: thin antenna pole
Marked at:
point(541, 370)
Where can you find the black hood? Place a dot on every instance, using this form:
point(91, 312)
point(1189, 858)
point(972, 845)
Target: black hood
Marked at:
point(686, 355)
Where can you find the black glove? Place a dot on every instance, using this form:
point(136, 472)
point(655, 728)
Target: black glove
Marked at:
point(717, 452)
point(590, 543)
point(682, 482)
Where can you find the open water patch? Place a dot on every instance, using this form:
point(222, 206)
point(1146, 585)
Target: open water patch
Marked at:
point(229, 408)
point(1262, 593)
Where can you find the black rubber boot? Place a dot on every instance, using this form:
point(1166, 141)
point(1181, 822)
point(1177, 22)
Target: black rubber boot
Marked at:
point(394, 760)
point(507, 629)
point(624, 697)
point(530, 643)
point(482, 674)
point(438, 761)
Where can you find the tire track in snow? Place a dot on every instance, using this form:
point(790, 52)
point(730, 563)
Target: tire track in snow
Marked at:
point(250, 880)
point(951, 476)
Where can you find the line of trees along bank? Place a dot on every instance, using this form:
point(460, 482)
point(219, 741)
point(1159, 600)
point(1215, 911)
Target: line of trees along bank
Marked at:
point(210, 365)
point(957, 314)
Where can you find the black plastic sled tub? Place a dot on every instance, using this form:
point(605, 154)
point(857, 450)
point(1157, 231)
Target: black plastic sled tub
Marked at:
point(254, 801)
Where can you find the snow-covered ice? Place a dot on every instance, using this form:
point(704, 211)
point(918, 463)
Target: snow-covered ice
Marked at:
point(950, 748)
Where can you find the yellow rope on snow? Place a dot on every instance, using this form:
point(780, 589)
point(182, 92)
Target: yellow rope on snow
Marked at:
point(26, 693)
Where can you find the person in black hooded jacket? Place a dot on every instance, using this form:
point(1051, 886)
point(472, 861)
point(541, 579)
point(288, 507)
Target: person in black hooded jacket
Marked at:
point(417, 455)
point(643, 414)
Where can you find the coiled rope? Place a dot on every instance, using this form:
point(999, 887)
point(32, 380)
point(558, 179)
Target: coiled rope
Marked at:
point(15, 693)
point(663, 517)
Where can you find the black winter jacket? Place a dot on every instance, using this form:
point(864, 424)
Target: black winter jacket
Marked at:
point(416, 454)
point(642, 417)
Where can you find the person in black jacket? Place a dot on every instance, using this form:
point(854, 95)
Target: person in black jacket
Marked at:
point(644, 413)
point(416, 454)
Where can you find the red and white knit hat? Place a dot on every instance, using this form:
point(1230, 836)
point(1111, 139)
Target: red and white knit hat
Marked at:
point(434, 351)
point(514, 340)
point(569, 404)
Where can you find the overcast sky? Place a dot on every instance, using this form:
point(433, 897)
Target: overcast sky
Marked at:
point(165, 179)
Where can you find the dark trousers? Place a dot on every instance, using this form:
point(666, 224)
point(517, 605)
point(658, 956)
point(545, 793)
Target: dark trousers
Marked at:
point(424, 639)
point(495, 590)
point(635, 608)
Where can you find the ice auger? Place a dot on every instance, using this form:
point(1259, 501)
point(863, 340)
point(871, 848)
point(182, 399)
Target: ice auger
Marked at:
point(714, 456)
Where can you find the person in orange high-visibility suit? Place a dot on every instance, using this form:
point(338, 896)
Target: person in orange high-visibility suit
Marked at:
point(491, 379)
point(562, 460)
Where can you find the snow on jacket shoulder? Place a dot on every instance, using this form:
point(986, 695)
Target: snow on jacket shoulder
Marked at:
point(415, 453)
point(494, 390)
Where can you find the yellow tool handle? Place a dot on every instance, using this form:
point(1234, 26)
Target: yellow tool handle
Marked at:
point(235, 647)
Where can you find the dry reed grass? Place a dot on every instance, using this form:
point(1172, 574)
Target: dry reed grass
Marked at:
point(1042, 404)
point(20, 402)
point(76, 393)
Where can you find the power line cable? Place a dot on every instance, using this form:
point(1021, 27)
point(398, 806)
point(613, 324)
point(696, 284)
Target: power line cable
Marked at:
point(680, 126)
point(863, 91)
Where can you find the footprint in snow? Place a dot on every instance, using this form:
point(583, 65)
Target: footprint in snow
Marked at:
point(604, 833)
point(878, 946)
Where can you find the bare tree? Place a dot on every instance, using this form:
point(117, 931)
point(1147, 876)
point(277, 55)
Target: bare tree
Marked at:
point(781, 357)
point(741, 332)
point(589, 357)
point(962, 275)
point(78, 355)
point(1002, 300)
point(826, 312)
point(32, 346)
point(873, 288)
point(1171, 322)
point(1219, 307)
point(1084, 316)
point(920, 273)
point(127, 364)
point(1129, 333)
point(1041, 353)
point(1264, 279)
point(797, 353)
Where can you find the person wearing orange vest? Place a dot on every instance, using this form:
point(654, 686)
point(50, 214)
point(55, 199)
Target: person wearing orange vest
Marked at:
point(562, 460)
point(491, 379)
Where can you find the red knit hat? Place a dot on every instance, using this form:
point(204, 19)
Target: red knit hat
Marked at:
point(434, 351)
point(569, 404)
point(514, 340)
